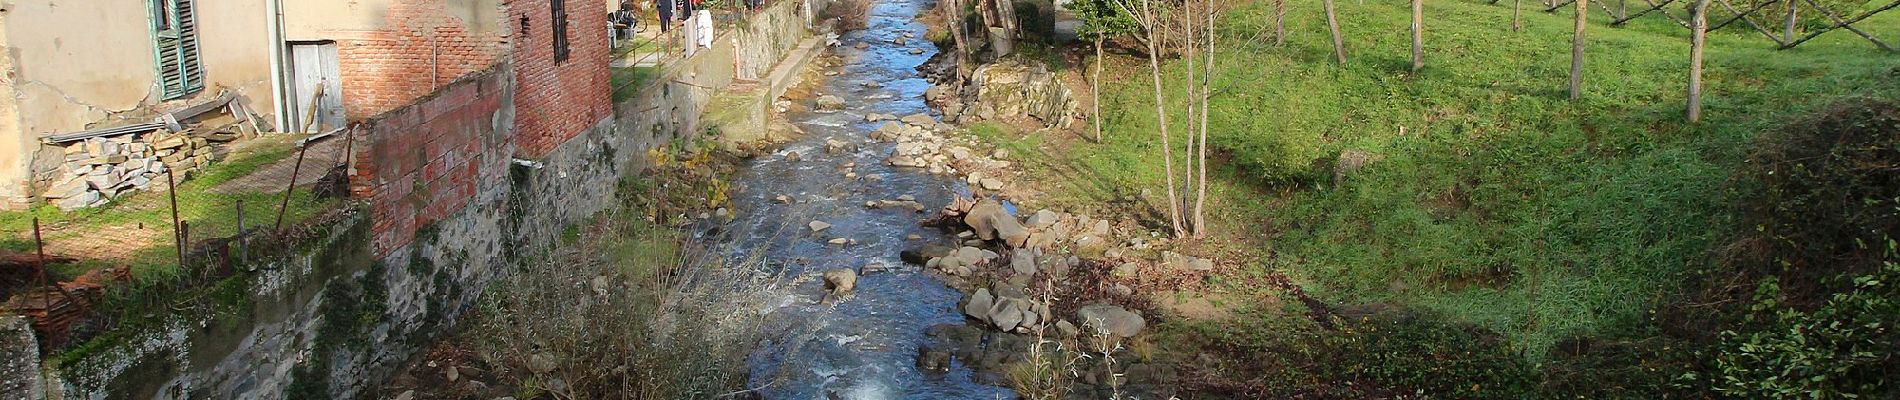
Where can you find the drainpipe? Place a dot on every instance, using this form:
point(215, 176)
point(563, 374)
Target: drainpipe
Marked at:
point(275, 21)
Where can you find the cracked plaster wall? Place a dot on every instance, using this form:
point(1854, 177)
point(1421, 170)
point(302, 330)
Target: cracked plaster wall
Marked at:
point(75, 65)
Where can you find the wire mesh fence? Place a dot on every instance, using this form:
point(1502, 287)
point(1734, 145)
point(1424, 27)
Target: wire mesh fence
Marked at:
point(77, 272)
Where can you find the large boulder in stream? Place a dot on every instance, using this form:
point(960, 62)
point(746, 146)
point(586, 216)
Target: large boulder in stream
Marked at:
point(923, 254)
point(840, 282)
point(991, 222)
point(830, 103)
point(1018, 87)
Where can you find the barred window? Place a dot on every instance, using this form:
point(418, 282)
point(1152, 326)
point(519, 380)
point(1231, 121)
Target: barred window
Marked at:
point(559, 8)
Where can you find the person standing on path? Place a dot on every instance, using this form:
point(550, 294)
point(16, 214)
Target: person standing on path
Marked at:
point(665, 9)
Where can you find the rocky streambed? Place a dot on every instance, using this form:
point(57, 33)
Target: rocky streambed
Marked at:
point(920, 275)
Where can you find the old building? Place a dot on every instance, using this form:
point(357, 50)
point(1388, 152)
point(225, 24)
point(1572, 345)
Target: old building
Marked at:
point(300, 65)
point(74, 65)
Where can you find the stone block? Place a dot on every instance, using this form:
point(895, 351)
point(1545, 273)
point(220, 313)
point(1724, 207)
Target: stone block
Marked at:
point(72, 186)
point(171, 143)
point(82, 200)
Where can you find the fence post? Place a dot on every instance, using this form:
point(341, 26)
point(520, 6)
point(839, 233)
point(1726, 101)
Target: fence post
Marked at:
point(295, 170)
point(242, 236)
point(184, 240)
point(46, 299)
point(178, 237)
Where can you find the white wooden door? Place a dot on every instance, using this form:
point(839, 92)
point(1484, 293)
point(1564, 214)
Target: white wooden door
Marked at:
point(315, 81)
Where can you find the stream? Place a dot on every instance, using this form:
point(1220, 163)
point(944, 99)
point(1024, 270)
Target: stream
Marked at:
point(866, 346)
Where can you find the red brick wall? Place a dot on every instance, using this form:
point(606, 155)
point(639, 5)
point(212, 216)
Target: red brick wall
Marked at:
point(556, 102)
point(422, 47)
point(425, 162)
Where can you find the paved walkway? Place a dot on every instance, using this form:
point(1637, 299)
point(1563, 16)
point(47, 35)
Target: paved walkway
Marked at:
point(273, 177)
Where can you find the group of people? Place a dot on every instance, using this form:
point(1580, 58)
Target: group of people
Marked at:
point(693, 13)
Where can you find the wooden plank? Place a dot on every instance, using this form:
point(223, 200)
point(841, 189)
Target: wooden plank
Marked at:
point(200, 109)
point(102, 132)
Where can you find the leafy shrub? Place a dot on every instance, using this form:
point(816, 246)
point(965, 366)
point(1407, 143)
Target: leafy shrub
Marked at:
point(1843, 349)
point(1823, 262)
point(1380, 355)
point(1830, 190)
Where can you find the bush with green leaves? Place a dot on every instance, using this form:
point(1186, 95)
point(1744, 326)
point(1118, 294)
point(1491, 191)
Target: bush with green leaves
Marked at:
point(1845, 348)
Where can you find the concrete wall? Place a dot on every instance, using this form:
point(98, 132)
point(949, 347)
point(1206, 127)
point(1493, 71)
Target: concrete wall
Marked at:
point(73, 65)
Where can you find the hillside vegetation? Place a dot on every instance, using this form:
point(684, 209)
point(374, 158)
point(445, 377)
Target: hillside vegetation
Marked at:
point(1544, 235)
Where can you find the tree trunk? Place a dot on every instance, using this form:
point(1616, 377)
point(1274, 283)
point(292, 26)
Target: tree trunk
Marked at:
point(1190, 96)
point(1097, 90)
point(1006, 15)
point(1698, 36)
point(1279, 22)
point(1517, 10)
point(1787, 32)
point(1418, 35)
point(1576, 50)
point(1161, 116)
point(1339, 41)
point(1207, 76)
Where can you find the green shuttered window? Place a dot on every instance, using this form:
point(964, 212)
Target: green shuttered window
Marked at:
point(175, 44)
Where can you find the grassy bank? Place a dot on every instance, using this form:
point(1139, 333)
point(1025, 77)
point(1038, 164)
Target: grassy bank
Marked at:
point(135, 230)
point(1494, 200)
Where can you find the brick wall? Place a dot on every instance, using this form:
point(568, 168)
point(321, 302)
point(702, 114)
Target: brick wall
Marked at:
point(428, 161)
point(420, 48)
point(558, 101)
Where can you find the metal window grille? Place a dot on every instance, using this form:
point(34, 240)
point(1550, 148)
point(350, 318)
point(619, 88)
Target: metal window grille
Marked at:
point(559, 8)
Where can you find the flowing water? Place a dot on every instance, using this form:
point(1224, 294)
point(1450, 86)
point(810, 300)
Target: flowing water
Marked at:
point(864, 347)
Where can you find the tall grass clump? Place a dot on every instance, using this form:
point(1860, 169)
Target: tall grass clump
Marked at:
point(632, 307)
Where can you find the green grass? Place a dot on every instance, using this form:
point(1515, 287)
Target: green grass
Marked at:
point(210, 215)
point(628, 81)
point(1504, 203)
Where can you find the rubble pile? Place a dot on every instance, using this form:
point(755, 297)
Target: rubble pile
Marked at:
point(102, 168)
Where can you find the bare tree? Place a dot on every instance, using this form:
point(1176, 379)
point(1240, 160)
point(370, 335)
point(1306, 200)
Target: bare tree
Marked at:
point(1576, 50)
point(1418, 35)
point(1096, 90)
point(997, 21)
point(1698, 36)
point(1191, 41)
point(1200, 196)
point(1150, 26)
point(1517, 11)
point(1279, 22)
point(1787, 32)
point(1339, 41)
